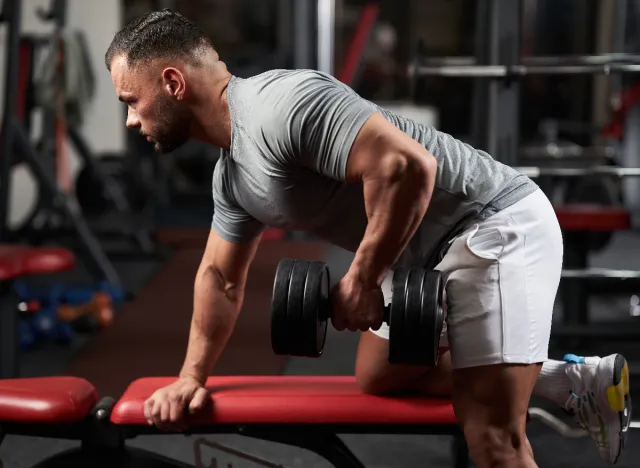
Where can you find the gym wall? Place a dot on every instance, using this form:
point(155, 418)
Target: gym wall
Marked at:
point(104, 127)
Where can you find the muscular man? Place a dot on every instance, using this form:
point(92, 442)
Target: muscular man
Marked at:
point(305, 152)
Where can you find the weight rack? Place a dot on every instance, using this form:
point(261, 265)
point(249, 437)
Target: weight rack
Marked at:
point(497, 70)
point(15, 143)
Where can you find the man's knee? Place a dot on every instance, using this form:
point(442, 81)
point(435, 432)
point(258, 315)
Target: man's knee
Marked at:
point(385, 380)
point(496, 436)
point(496, 444)
point(376, 376)
point(372, 384)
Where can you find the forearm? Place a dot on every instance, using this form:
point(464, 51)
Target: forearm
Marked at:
point(216, 309)
point(396, 201)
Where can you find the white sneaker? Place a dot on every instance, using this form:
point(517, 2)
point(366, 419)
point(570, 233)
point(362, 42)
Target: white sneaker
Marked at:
point(600, 400)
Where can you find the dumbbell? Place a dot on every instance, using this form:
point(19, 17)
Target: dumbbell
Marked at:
point(301, 309)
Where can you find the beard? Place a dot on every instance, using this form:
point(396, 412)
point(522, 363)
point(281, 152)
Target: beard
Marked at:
point(171, 129)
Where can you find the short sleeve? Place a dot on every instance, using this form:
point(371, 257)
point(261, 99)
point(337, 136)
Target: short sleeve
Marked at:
point(322, 118)
point(230, 220)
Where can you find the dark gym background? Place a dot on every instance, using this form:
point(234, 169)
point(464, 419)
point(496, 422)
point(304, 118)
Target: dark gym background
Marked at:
point(153, 245)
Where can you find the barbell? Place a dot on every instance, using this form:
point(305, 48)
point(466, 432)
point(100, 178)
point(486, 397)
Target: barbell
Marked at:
point(554, 151)
point(506, 71)
point(534, 172)
point(301, 310)
point(549, 65)
point(549, 60)
point(601, 274)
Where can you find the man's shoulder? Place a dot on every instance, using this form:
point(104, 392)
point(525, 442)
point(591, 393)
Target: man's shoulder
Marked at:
point(276, 86)
point(286, 75)
point(264, 104)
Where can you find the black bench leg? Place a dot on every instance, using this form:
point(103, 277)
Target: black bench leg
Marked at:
point(460, 452)
point(328, 446)
point(8, 333)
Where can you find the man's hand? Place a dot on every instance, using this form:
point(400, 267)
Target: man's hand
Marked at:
point(167, 407)
point(356, 306)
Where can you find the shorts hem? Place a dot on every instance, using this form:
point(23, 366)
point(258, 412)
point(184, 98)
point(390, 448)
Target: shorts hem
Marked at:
point(382, 334)
point(500, 359)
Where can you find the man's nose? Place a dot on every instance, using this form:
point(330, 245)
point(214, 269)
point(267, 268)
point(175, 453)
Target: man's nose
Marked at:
point(132, 121)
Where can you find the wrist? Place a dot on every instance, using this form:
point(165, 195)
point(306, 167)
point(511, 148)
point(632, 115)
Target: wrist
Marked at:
point(366, 277)
point(194, 374)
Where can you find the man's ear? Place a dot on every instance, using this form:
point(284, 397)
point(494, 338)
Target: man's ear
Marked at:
point(173, 82)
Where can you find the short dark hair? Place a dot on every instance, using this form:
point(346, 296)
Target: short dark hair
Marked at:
point(159, 34)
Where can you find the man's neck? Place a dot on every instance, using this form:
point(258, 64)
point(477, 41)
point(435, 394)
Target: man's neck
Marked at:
point(213, 115)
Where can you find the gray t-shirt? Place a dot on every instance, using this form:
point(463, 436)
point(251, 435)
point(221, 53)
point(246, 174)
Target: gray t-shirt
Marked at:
point(292, 131)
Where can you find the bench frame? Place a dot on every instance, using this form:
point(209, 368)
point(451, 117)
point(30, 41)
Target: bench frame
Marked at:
point(9, 347)
point(103, 441)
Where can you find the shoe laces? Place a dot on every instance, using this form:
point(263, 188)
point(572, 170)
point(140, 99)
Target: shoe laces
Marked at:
point(587, 415)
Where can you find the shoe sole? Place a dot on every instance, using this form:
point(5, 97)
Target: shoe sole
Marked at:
point(619, 399)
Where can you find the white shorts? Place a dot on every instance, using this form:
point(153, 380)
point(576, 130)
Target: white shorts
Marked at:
point(502, 276)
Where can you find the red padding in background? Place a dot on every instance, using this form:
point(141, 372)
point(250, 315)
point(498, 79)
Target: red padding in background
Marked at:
point(581, 217)
point(46, 400)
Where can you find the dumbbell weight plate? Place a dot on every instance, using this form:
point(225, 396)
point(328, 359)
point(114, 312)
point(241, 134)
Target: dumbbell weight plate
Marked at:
point(316, 310)
point(411, 344)
point(280, 341)
point(295, 305)
point(396, 316)
point(416, 317)
point(432, 318)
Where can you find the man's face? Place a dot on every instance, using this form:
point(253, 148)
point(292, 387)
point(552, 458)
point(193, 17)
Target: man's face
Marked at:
point(152, 108)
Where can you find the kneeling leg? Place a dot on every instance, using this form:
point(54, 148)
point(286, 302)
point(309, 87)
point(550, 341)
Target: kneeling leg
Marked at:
point(377, 376)
point(491, 404)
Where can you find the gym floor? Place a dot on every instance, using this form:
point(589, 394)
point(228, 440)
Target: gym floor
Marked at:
point(149, 338)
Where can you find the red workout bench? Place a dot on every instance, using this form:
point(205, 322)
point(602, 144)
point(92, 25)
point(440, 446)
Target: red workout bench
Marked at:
point(306, 412)
point(18, 261)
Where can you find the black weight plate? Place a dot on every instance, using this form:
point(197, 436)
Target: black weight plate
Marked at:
point(412, 318)
point(325, 288)
point(280, 342)
point(316, 309)
point(432, 318)
point(396, 315)
point(295, 304)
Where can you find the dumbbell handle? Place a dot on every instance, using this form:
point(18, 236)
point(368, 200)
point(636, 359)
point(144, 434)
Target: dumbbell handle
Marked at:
point(386, 313)
point(328, 309)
